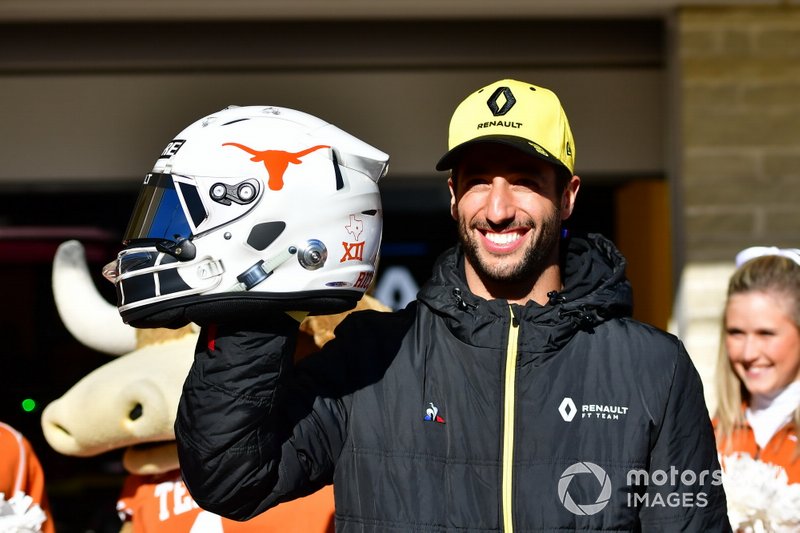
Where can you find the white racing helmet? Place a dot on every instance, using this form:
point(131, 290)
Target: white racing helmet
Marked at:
point(251, 209)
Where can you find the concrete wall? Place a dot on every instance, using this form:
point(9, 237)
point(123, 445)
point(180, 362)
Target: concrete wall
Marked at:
point(96, 103)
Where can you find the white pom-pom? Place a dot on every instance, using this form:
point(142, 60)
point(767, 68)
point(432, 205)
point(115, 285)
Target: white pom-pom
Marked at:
point(760, 499)
point(20, 515)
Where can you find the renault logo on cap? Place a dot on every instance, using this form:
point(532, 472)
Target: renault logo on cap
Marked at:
point(494, 101)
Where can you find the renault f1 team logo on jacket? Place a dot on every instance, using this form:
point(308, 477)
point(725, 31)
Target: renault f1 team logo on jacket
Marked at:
point(275, 161)
point(567, 409)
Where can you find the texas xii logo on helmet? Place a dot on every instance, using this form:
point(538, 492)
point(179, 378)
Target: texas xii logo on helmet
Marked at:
point(251, 209)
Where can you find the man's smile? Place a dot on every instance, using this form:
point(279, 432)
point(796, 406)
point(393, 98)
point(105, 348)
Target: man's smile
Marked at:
point(503, 242)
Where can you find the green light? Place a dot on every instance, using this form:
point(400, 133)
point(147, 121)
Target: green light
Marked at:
point(28, 405)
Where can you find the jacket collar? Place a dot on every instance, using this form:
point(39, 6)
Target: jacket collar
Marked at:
point(595, 290)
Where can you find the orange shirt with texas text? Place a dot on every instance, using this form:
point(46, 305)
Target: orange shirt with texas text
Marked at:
point(161, 503)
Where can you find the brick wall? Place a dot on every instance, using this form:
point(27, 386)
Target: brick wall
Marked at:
point(740, 89)
point(739, 72)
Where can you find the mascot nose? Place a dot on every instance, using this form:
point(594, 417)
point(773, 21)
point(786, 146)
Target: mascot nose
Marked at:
point(56, 428)
point(137, 412)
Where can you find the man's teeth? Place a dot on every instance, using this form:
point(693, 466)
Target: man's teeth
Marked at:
point(503, 238)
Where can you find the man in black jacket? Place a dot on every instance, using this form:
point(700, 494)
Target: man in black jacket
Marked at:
point(515, 394)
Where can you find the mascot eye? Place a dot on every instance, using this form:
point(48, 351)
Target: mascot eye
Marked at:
point(136, 412)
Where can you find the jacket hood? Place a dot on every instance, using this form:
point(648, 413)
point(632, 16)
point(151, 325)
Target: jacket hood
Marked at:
point(594, 278)
point(595, 290)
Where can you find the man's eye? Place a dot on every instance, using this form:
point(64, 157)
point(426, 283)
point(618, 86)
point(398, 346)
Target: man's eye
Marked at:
point(473, 181)
point(529, 183)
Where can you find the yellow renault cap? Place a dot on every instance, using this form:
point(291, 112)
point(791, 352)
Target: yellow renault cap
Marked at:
point(518, 114)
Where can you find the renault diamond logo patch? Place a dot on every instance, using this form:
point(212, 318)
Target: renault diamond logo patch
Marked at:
point(567, 409)
point(501, 101)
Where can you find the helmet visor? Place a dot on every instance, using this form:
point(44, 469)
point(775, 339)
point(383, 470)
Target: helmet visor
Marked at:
point(159, 213)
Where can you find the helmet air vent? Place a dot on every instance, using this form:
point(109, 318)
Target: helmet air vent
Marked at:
point(235, 121)
point(338, 171)
point(264, 234)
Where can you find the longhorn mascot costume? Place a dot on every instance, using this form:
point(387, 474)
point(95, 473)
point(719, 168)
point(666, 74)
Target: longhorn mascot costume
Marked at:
point(247, 211)
point(130, 403)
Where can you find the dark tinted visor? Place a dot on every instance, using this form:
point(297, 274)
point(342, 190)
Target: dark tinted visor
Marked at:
point(158, 214)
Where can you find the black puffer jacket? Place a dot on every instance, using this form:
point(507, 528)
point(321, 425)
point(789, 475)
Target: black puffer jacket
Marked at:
point(462, 415)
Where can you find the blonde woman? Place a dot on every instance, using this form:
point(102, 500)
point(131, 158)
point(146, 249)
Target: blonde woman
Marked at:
point(758, 377)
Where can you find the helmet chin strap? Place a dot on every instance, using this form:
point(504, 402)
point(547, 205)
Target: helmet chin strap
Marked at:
point(182, 250)
point(261, 270)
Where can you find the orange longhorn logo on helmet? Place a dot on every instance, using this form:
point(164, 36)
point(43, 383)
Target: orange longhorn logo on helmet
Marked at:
point(275, 161)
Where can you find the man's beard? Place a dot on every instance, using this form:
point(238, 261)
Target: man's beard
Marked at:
point(534, 260)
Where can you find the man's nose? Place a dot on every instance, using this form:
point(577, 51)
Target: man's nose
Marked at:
point(500, 203)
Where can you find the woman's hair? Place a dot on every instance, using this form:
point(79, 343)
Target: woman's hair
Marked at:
point(773, 274)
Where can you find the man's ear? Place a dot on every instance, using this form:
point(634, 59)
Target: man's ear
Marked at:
point(453, 205)
point(569, 196)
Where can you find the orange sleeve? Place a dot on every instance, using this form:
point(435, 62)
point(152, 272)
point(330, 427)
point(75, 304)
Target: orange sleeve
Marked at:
point(20, 470)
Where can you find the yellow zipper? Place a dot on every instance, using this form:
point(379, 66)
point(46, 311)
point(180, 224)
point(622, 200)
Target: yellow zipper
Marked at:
point(508, 423)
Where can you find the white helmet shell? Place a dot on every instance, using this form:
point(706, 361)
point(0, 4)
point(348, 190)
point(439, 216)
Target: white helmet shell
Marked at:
point(247, 209)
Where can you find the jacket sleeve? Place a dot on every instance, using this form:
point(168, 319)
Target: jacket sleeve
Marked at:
point(685, 492)
point(250, 432)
